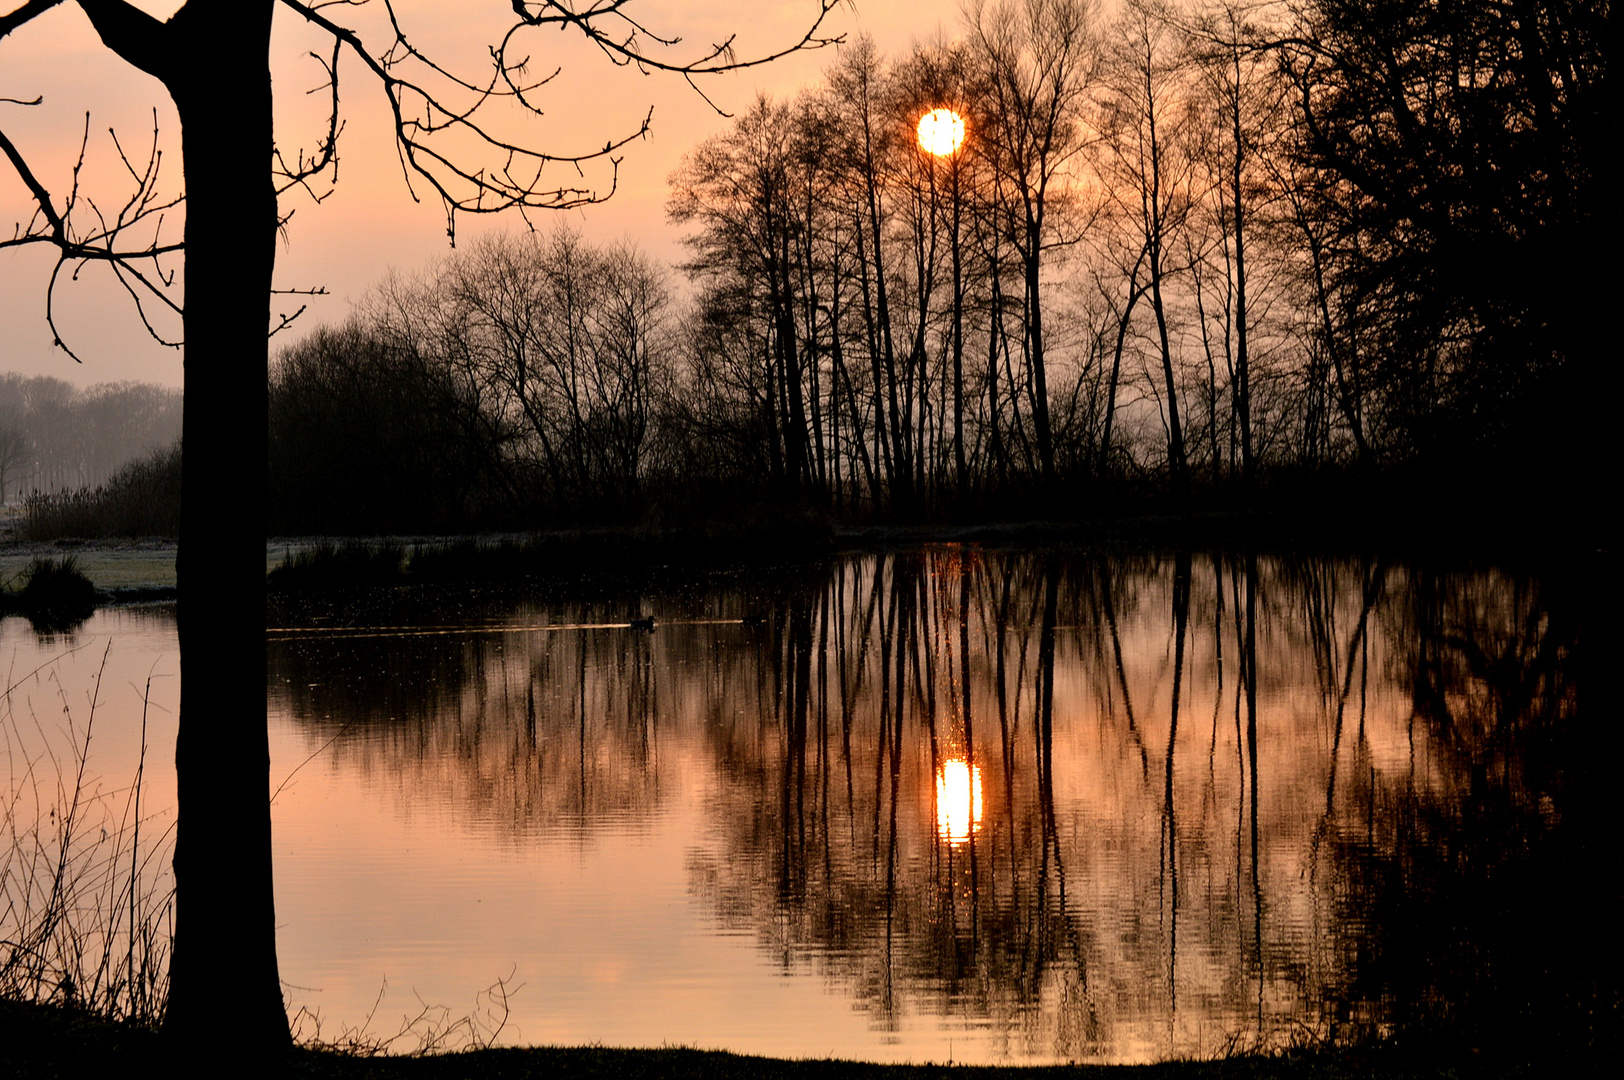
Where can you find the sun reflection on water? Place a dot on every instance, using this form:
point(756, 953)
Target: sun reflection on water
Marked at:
point(958, 801)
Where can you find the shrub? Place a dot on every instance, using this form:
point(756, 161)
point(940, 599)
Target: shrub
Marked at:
point(55, 594)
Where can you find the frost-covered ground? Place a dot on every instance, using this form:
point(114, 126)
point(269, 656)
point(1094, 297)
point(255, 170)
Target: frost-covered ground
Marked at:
point(111, 564)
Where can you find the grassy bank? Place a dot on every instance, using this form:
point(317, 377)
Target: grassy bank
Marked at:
point(48, 1041)
point(53, 594)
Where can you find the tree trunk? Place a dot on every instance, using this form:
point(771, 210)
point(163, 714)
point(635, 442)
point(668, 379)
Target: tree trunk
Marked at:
point(224, 984)
point(1040, 392)
point(1243, 370)
point(961, 468)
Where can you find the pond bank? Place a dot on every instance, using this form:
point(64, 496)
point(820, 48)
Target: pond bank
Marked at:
point(141, 569)
point(48, 1041)
point(122, 570)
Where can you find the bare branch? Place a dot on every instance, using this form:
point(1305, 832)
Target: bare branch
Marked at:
point(287, 320)
point(303, 170)
point(42, 198)
point(512, 175)
point(28, 11)
point(77, 246)
point(629, 50)
point(519, 179)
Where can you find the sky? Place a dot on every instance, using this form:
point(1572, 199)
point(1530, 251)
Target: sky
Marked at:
point(369, 224)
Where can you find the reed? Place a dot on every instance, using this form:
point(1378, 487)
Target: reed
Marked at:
point(141, 499)
point(86, 900)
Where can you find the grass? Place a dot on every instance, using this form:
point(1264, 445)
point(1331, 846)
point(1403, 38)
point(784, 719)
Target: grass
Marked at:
point(52, 1041)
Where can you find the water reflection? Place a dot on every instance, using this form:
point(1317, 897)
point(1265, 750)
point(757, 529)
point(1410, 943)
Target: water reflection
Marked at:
point(958, 801)
point(1045, 807)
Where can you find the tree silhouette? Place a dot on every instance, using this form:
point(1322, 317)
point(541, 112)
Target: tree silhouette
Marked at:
point(14, 453)
point(1468, 140)
point(212, 57)
point(1037, 58)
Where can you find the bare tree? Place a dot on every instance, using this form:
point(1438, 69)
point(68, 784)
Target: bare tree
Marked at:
point(212, 57)
point(1244, 94)
point(569, 336)
point(1038, 60)
point(1150, 177)
point(14, 454)
point(860, 85)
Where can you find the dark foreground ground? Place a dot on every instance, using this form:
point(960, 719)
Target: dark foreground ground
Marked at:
point(49, 1042)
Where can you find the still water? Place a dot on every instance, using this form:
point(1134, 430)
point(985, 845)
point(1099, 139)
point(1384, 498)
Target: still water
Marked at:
point(947, 804)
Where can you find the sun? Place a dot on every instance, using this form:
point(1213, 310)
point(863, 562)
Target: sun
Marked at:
point(941, 131)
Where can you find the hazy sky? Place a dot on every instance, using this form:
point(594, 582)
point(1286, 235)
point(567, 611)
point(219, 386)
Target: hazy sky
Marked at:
point(370, 222)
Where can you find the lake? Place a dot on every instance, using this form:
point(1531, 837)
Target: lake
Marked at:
point(938, 804)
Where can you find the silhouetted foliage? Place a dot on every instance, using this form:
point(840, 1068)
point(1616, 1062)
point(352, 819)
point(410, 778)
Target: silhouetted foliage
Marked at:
point(364, 438)
point(1192, 251)
point(516, 381)
point(1188, 252)
point(1458, 155)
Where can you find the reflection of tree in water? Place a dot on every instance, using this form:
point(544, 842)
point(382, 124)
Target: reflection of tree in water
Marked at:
point(1224, 800)
point(1044, 919)
point(480, 713)
point(878, 682)
point(1473, 891)
point(1151, 874)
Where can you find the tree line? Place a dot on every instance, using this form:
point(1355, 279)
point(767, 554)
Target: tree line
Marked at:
point(55, 437)
point(1185, 248)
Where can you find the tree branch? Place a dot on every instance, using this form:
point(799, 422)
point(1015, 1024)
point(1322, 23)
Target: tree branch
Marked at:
point(139, 40)
point(28, 11)
point(54, 225)
point(516, 181)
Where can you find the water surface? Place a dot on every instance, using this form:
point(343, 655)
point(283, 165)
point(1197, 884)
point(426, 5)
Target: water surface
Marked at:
point(948, 804)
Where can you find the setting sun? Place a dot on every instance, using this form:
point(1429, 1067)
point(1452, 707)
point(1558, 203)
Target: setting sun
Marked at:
point(941, 131)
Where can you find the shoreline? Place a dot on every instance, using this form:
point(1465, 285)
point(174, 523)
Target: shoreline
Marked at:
point(139, 570)
point(50, 1040)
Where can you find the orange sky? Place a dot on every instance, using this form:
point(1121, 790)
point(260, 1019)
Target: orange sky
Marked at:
point(370, 223)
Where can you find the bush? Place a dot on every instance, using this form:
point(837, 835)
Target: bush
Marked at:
point(55, 594)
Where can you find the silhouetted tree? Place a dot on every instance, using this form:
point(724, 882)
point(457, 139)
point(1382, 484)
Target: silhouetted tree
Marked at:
point(365, 437)
point(538, 355)
point(1469, 142)
point(14, 454)
point(1149, 173)
point(1037, 60)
